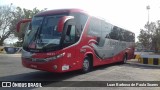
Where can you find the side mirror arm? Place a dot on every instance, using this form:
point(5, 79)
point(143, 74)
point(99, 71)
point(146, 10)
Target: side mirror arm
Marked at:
point(22, 21)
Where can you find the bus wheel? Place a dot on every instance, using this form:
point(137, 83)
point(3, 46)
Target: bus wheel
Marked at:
point(86, 65)
point(124, 59)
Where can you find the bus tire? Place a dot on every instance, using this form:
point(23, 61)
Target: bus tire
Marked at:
point(124, 59)
point(86, 67)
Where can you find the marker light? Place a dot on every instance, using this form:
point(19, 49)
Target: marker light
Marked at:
point(55, 67)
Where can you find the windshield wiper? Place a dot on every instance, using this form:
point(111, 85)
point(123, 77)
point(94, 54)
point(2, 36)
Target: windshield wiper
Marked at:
point(49, 45)
point(37, 34)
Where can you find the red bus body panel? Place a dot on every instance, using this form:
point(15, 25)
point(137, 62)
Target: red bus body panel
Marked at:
point(74, 54)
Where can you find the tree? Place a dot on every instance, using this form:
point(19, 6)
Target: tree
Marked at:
point(150, 36)
point(24, 14)
point(156, 37)
point(6, 17)
point(9, 17)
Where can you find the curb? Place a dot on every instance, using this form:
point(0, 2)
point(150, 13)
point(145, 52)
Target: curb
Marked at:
point(147, 60)
point(137, 56)
point(135, 62)
point(151, 61)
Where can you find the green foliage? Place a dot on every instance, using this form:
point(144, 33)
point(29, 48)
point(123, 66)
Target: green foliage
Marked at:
point(18, 44)
point(150, 36)
point(6, 19)
point(24, 14)
point(9, 17)
point(144, 38)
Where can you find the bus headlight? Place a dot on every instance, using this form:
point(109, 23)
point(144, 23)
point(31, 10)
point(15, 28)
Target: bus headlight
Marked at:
point(54, 57)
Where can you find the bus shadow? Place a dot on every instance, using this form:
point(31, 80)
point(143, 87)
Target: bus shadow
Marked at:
point(49, 77)
point(106, 66)
point(40, 76)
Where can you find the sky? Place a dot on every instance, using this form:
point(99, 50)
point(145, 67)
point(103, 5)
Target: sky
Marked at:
point(128, 14)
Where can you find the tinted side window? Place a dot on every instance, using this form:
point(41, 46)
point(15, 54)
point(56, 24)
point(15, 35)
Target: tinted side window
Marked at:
point(94, 27)
point(114, 33)
point(106, 29)
point(80, 21)
point(122, 35)
point(128, 36)
point(132, 37)
point(70, 34)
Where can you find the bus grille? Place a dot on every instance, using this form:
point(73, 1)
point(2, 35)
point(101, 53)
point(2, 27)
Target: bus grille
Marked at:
point(35, 59)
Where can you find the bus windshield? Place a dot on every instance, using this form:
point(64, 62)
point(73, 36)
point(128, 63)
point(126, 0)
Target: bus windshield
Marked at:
point(42, 33)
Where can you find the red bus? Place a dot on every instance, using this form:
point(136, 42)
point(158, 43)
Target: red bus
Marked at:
point(70, 39)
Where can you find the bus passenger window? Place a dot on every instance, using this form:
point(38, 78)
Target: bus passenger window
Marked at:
point(70, 34)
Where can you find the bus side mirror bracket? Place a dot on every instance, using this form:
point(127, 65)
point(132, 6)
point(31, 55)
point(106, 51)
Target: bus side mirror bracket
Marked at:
point(20, 22)
point(62, 22)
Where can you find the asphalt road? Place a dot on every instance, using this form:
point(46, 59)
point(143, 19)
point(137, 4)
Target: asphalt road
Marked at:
point(12, 70)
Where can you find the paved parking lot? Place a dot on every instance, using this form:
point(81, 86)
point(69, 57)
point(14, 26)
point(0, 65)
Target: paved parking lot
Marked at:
point(12, 70)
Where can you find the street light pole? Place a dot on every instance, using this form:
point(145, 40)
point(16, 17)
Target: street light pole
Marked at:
point(148, 7)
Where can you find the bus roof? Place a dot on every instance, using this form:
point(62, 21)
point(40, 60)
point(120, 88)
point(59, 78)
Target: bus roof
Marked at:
point(58, 11)
point(49, 12)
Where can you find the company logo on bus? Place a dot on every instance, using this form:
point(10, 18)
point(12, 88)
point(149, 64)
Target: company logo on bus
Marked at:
point(51, 54)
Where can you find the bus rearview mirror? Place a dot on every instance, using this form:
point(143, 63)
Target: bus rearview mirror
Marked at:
point(22, 21)
point(62, 22)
